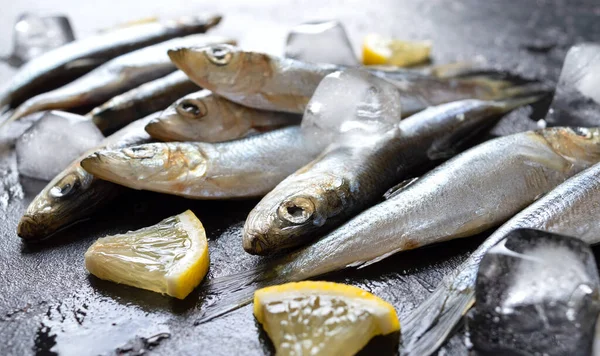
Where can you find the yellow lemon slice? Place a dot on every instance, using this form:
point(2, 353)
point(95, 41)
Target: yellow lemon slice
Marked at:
point(322, 318)
point(379, 50)
point(170, 257)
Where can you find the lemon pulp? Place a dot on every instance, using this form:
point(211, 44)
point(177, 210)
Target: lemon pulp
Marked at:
point(170, 257)
point(322, 318)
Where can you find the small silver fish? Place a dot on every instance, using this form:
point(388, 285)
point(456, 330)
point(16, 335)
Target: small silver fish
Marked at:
point(205, 117)
point(353, 175)
point(141, 101)
point(62, 65)
point(244, 168)
point(75, 194)
point(266, 82)
point(571, 209)
point(476, 190)
point(114, 77)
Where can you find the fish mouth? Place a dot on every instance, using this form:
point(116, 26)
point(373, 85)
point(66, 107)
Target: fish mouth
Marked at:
point(178, 56)
point(29, 229)
point(106, 165)
point(255, 244)
point(162, 131)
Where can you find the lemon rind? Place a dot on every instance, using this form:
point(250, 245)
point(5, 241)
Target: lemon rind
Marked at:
point(187, 274)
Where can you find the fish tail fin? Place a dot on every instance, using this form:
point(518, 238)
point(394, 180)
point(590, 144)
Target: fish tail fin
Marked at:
point(237, 290)
point(512, 103)
point(428, 326)
point(496, 87)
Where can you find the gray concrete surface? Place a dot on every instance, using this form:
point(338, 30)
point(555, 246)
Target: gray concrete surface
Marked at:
point(48, 302)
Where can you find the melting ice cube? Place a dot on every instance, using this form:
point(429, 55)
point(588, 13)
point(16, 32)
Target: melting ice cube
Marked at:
point(536, 294)
point(48, 147)
point(353, 103)
point(320, 42)
point(34, 35)
point(577, 98)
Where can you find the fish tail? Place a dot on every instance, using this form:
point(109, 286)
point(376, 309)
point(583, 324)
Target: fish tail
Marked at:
point(509, 104)
point(238, 290)
point(427, 327)
point(538, 89)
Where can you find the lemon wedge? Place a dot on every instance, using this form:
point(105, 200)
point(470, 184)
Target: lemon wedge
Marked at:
point(170, 257)
point(379, 50)
point(322, 318)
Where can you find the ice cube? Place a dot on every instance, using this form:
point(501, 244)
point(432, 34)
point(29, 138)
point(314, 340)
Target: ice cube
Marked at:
point(576, 101)
point(536, 294)
point(320, 42)
point(34, 35)
point(353, 103)
point(48, 147)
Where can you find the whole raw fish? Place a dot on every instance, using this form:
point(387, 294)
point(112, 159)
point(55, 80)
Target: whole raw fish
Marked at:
point(244, 168)
point(267, 82)
point(571, 209)
point(353, 174)
point(61, 65)
point(141, 101)
point(478, 189)
point(114, 77)
point(193, 118)
point(75, 194)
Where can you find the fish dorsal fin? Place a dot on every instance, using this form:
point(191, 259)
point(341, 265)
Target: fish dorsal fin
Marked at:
point(395, 190)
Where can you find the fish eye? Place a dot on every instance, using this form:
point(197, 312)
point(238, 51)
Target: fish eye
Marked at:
point(64, 186)
point(219, 55)
point(193, 109)
point(584, 132)
point(297, 210)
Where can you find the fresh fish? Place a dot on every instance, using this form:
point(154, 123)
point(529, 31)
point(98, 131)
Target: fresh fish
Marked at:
point(141, 101)
point(206, 117)
point(114, 77)
point(570, 209)
point(238, 169)
point(474, 191)
point(75, 194)
point(353, 175)
point(266, 82)
point(60, 66)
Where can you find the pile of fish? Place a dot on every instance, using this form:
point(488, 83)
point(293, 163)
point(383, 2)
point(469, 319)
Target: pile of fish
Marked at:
point(353, 163)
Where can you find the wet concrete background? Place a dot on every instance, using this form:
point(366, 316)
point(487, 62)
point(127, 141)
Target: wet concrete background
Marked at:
point(50, 305)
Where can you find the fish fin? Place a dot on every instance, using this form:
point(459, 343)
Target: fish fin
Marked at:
point(46, 101)
point(84, 63)
point(395, 190)
point(238, 290)
point(28, 107)
point(231, 302)
point(427, 327)
point(363, 264)
point(532, 92)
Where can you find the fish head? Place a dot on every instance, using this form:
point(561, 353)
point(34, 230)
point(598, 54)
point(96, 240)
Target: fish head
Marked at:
point(166, 166)
point(223, 68)
point(294, 215)
point(578, 145)
point(201, 116)
point(66, 199)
